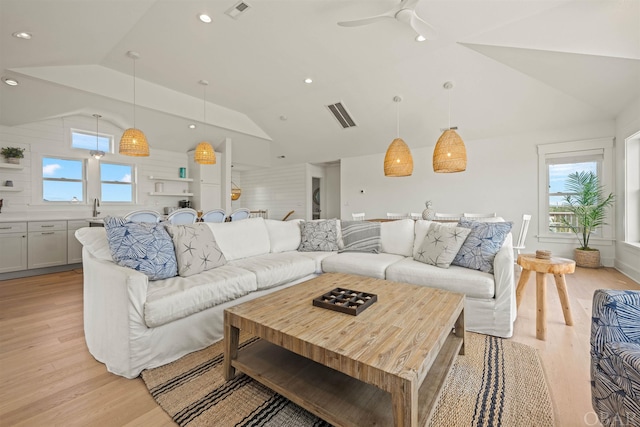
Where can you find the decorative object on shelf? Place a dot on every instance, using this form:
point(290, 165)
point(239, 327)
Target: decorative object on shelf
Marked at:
point(588, 205)
point(183, 172)
point(398, 160)
point(12, 154)
point(133, 142)
point(450, 154)
point(428, 213)
point(159, 187)
point(8, 183)
point(97, 153)
point(236, 191)
point(204, 154)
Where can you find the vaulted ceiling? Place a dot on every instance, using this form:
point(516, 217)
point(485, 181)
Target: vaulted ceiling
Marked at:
point(518, 66)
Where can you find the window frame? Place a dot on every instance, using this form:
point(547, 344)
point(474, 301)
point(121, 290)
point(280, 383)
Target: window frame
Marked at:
point(571, 151)
point(109, 136)
point(632, 191)
point(84, 180)
point(133, 182)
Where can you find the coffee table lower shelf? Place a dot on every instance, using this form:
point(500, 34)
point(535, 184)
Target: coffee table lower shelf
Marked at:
point(333, 396)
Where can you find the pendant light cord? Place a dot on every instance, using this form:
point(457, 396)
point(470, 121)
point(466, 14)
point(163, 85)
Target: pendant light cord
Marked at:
point(134, 93)
point(398, 121)
point(449, 108)
point(97, 145)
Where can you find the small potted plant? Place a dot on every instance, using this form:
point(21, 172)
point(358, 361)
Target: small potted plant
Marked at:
point(588, 205)
point(12, 154)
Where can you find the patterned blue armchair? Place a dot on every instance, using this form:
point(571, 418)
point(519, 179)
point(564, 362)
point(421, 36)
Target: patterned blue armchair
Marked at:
point(615, 357)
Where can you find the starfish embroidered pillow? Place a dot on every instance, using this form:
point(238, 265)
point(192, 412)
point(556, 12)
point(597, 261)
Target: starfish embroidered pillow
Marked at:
point(196, 248)
point(441, 244)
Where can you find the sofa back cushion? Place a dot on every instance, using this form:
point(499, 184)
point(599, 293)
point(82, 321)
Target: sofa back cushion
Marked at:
point(396, 237)
point(241, 239)
point(196, 249)
point(284, 236)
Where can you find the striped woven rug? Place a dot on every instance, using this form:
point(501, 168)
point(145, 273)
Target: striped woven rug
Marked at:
point(496, 383)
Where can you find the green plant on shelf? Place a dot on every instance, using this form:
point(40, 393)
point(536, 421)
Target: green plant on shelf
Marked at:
point(12, 152)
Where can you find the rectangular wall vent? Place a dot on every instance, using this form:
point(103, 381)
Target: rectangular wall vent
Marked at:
point(237, 9)
point(342, 116)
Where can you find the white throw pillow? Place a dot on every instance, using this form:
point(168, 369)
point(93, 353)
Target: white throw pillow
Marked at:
point(241, 239)
point(441, 244)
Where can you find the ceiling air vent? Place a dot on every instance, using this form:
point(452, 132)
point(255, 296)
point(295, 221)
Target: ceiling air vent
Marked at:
point(237, 9)
point(341, 115)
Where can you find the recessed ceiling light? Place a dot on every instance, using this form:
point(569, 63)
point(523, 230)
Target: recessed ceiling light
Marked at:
point(192, 126)
point(281, 157)
point(284, 118)
point(10, 81)
point(204, 18)
point(308, 80)
point(420, 38)
point(22, 35)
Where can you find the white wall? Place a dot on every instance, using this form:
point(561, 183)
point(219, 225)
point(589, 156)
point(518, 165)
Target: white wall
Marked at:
point(49, 138)
point(332, 197)
point(501, 177)
point(279, 190)
point(627, 256)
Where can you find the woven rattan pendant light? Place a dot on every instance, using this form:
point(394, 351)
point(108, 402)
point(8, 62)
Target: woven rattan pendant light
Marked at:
point(133, 142)
point(398, 160)
point(204, 151)
point(450, 154)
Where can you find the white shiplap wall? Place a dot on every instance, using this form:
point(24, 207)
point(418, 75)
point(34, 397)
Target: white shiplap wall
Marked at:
point(50, 138)
point(279, 190)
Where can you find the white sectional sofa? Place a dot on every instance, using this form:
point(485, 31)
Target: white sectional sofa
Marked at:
point(132, 323)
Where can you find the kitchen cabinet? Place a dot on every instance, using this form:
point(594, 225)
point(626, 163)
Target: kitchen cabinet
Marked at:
point(47, 243)
point(74, 248)
point(13, 246)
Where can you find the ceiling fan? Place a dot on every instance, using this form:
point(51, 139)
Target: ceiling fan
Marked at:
point(405, 12)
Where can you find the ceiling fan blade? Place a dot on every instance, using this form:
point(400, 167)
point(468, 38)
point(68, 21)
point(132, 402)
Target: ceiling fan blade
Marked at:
point(366, 21)
point(423, 28)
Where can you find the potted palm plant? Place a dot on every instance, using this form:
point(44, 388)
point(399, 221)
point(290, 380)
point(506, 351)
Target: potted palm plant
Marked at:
point(12, 154)
point(588, 205)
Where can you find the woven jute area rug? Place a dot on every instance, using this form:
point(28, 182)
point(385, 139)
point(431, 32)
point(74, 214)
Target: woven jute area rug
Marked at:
point(496, 383)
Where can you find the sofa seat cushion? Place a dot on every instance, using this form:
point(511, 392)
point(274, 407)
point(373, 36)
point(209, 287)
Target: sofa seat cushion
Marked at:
point(473, 283)
point(363, 264)
point(278, 268)
point(177, 297)
point(317, 257)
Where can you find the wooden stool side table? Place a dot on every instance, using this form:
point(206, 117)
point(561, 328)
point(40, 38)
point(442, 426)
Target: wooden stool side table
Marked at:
point(556, 266)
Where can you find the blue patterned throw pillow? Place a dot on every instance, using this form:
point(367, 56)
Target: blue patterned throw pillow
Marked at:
point(482, 244)
point(142, 246)
point(319, 235)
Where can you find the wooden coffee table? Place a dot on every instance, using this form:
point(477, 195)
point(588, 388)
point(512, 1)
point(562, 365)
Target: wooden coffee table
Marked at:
point(385, 366)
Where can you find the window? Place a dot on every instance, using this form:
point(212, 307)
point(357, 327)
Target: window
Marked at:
point(555, 163)
point(62, 180)
point(86, 140)
point(558, 170)
point(116, 183)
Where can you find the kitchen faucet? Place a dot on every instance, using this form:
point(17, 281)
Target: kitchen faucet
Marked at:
point(96, 204)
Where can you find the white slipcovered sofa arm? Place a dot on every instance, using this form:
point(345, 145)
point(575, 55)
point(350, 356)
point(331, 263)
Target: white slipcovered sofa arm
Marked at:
point(114, 298)
point(503, 273)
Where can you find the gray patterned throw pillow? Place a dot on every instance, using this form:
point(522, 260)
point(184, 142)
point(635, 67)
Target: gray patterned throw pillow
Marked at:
point(482, 245)
point(441, 244)
point(360, 236)
point(196, 248)
point(319, 235)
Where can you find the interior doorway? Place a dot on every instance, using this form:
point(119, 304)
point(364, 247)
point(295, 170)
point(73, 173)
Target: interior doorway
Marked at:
point(316, 199)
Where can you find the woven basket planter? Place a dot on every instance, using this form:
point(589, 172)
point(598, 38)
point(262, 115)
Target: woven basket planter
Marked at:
point(589, 259)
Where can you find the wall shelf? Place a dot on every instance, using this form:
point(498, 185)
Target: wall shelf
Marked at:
point(154, 193)
point(4, 188)
point(161, 178)
point(11, 166)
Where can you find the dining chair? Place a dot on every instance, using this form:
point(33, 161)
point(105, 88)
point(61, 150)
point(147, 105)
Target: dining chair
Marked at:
point(215, 215)
point(415, 215)
point(143, 215)
point(391, 215)
point(358, 216)
point(441, 216)
point(183, 216)
point(519, 245)
point(238, 214)
point(479, 215)
point(288, 215)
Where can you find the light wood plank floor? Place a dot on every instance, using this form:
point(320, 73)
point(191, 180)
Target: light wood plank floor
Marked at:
point(48, 376)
